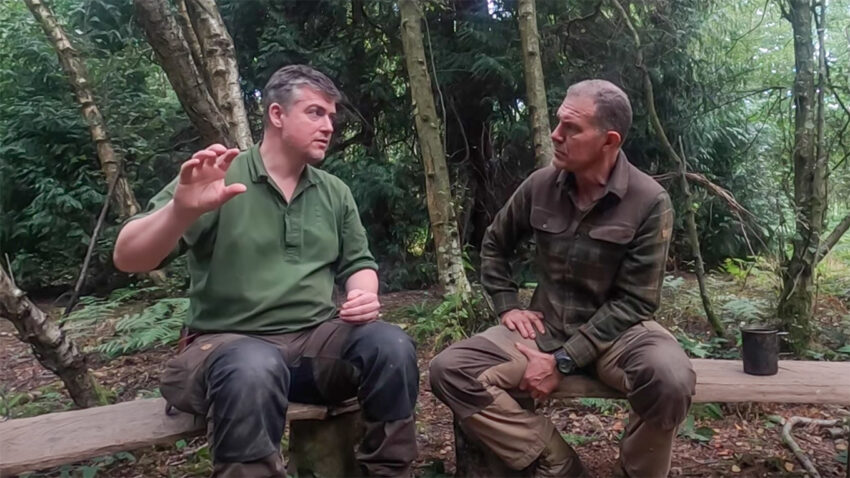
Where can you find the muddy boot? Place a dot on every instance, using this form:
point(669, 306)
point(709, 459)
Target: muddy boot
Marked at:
point(559, 460)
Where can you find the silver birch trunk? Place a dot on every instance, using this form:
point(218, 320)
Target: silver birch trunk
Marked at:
point(110, 161)
point(534, 85)
point(438, 190)
point(218, 57)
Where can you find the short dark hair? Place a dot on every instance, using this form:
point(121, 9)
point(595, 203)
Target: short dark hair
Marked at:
point(613, 109)
point(284, 82)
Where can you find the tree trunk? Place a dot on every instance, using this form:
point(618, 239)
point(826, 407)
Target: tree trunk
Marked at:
point(110, 161)
point(175, 57)
point(438, 190)
point(221, 71)
point(534, 86)
point(796, 300)
point(189, 34)
point(53, 349)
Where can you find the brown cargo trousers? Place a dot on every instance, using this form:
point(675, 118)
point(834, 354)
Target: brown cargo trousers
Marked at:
point(243, 383)
point(646, 363)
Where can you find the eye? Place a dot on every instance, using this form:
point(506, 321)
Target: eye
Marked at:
point(315, 113)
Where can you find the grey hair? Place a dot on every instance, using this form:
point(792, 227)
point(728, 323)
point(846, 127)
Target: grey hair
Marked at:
point(283, 84)
point(613, 109)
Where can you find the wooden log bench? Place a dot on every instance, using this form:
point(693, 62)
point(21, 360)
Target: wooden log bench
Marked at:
point(717, 381)
point(322, 440)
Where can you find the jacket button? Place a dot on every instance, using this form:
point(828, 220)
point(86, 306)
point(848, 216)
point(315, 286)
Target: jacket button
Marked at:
point(545, 226)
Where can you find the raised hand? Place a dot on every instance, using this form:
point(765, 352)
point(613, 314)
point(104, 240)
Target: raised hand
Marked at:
point(201, 186)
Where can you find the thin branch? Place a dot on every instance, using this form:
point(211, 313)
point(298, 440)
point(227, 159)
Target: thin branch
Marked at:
point(736, 40)
point(11, 273)
point(92, 243)
point(694, 240)
point(788, 438)
point(833, 238)
point(715, 190)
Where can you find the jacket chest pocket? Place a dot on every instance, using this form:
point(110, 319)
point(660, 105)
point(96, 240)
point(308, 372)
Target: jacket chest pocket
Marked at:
point(553, 241)
point(599, 249)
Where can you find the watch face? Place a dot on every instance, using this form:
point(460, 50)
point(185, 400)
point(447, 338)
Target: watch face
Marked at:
point(565, 366)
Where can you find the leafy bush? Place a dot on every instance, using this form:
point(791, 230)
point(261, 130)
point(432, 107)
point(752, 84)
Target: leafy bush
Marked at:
point(450, 321)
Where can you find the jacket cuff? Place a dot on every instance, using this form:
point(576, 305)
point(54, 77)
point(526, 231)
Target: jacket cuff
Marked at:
point(505, 301)
point(580, 350)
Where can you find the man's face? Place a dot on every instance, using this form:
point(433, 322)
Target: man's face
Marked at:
point(579, 142)
point(307, 124)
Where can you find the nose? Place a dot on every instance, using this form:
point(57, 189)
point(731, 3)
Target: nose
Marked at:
point(556, 135)
point(327, 125)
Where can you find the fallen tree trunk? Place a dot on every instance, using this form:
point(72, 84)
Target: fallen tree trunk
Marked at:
point(53, 349)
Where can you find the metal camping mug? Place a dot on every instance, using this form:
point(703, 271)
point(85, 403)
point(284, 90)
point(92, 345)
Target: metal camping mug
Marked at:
point(761, 350)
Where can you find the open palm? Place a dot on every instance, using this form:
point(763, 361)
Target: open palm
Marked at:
point(201, 187)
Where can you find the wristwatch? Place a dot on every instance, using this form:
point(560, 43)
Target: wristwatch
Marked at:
point(564, 362)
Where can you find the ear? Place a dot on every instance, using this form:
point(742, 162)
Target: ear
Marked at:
point(276, 114)
point(613, 140)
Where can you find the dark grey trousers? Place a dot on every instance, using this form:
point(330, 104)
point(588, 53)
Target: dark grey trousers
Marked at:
point(242, 384)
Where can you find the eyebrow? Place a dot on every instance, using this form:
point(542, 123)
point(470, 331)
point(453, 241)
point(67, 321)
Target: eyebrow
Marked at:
point(317, 105)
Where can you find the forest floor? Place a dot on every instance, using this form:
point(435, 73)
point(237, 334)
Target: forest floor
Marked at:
point(716, 439)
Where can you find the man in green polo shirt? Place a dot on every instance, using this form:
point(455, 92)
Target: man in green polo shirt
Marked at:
point(267, 236)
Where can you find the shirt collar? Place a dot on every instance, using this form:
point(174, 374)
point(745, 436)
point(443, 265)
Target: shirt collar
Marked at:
point(618, 180)
point(259, 173)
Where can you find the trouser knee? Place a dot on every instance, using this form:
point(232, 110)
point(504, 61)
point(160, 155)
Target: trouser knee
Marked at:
point(389, 374)
point(247, 382)
point(662, 381)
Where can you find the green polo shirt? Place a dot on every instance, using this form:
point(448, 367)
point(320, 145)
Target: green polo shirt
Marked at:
point(261, 265)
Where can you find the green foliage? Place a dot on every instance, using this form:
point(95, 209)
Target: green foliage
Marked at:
point(156, 325)
point(605, 406)
point(706, 411)
point(90, 469)
point(31, 403)
point(744, 309)
point(51, 185)
point(450, 321)
point(688, 429)
point(713, 347)
point(576, 440)
point(91, 312)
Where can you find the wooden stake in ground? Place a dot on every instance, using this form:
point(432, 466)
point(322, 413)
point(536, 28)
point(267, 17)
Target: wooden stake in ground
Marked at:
point(53, 349)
